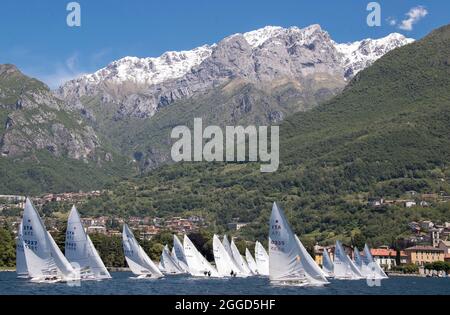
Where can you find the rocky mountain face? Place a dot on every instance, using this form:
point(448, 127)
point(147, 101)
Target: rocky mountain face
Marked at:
point(34, 119)
point(265, 57)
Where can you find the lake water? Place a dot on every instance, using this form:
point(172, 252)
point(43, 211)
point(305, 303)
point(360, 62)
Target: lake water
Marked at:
point(123, 283)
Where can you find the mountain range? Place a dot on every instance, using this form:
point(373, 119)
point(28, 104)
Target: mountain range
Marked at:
point(117, 121)
point(259, 77)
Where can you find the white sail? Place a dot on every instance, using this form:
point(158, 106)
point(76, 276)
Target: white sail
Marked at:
point(183, 266)
point(198, 265)
point(262, 259)
point(178, 254)
point(168, 264)
point(224, 263)
point(80, 250)
point(343, 266)
point(138, 261)
point(239, 260)
point(161, 267)
point(285, 263)
point(358, 260)
point(327, 264)
point(227, 245)
point(251, 262)
point(39, 268)
point(371, 268)
point(21, 263)
point(68, 272)
point(312, 269)
point(43, 257)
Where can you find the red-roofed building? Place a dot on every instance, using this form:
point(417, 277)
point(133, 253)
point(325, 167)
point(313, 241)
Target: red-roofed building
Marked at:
point(386, 257)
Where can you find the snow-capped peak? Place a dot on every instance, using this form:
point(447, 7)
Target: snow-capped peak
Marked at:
point(358, 55)
point(170, 65)
point(258, 37)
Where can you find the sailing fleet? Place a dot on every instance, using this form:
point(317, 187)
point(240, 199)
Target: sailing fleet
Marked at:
point(287, 261)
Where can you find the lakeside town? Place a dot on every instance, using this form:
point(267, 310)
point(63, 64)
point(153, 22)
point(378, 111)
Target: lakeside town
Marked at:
point(428, 242)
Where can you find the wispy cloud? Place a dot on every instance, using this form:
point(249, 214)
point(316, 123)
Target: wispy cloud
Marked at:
point(413, 16)
point(62, 72)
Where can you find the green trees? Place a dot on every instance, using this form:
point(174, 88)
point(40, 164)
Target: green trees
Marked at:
point(109, 249)
point(407, 269)
point(438, 266)
point(7, 248)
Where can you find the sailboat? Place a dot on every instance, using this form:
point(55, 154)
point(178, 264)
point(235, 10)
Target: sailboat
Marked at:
point(327, 264)
point(168, 264)
point(262, 259)
point(44, 260)
point(178, 254)
point(240, 261)
point(21, 263)
point(80, 250)
point(371, 268)
point(343, 266)
point(288, 260)
point(138, 261)
point(198, 265)
point(251, 262)
point(225, 265)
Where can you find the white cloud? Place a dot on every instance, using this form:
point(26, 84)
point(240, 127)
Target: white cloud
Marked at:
point(413, 16)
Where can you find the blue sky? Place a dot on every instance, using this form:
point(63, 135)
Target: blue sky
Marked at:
point(35, 37)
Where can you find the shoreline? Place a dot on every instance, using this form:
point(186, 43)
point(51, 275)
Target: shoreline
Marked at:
point(394, 274)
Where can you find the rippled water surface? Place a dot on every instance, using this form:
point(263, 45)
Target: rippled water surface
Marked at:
point(124, 283)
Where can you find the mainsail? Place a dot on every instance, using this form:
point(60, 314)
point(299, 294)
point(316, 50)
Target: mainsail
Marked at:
point(178, 254)
point(312, 269)
point(262, 259)
point(239, 260)
point(80, 250)
point(198, 265)
point(168, 264)
point(251, 262)
point(21, 263)
point(370, 267)
point(138, 261)
point(285, 262)
point(224, 263)
point(43, 256)
point(227, 246)
point(358, 260)
point(344, 268)
point(327, 264)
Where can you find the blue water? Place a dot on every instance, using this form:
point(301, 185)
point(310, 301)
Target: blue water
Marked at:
point(123, 283)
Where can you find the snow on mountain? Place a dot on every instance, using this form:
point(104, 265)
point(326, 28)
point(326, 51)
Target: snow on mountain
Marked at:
point(142, 85)
point(258, 37)
point(360, 54)
point(170, 65)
